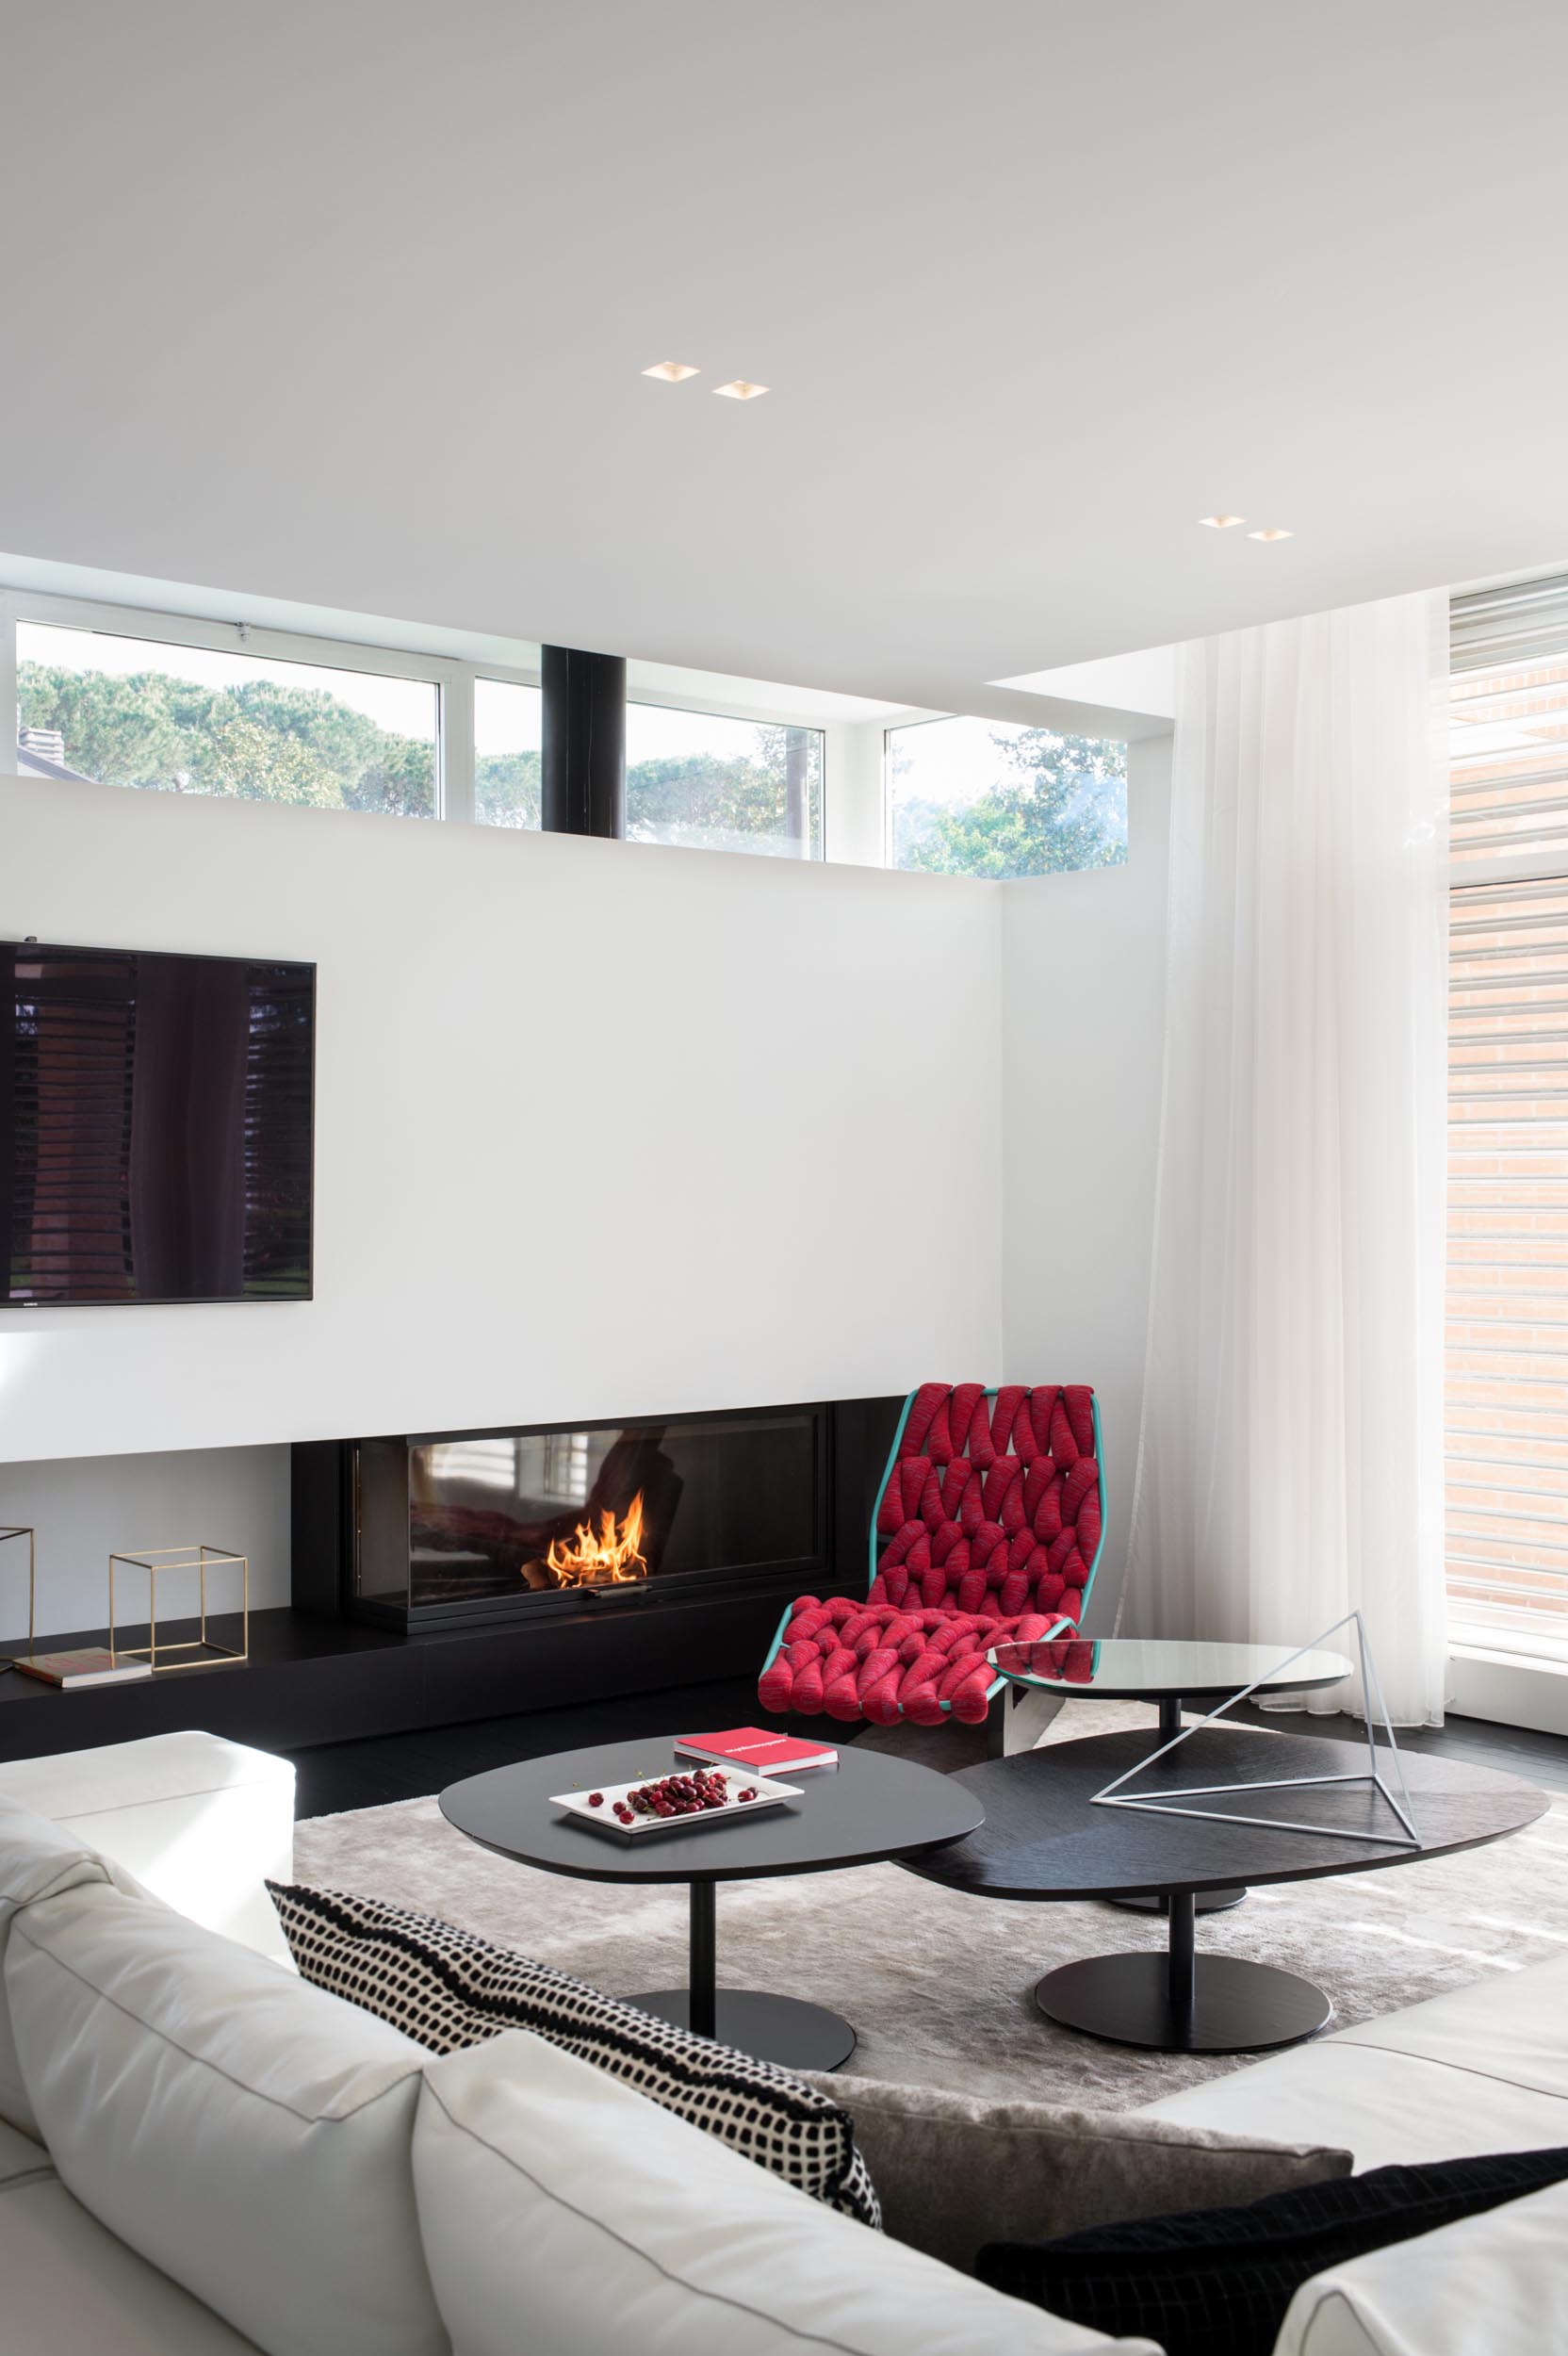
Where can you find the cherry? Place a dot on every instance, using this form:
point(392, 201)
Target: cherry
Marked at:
point(694, 1794)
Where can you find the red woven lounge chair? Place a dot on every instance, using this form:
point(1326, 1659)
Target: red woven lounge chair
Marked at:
point(988, 1529)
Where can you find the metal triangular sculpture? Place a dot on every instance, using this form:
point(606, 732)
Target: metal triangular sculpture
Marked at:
point(1160, 1804)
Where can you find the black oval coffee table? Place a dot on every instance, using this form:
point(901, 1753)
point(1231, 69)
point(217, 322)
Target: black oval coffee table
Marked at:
point(865, 1811)
point(1045, 1837)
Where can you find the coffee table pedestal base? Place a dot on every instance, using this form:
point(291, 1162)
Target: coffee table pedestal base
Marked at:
point(1236, 2007)
point(1208, 1902)
point(776, 2028)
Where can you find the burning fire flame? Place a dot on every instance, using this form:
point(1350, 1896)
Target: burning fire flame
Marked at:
point(613, 1559)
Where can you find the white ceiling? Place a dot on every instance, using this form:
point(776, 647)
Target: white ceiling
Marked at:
point(347, 303)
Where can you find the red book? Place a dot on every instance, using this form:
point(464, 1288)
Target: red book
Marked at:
point(754, 1748)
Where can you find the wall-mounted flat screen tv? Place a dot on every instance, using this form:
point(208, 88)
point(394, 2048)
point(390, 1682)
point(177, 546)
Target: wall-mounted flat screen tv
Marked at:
point(157, 1119)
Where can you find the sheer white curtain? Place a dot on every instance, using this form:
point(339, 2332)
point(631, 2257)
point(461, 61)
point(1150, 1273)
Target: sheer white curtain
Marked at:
point(1290, 1460)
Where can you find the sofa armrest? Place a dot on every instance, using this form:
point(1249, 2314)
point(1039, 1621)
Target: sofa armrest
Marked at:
point(1493, 2282)
point(202, 1823)
point(1478, 2068)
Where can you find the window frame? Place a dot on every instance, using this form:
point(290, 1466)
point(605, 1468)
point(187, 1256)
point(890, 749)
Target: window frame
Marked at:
point(1502, 1673)
point(464, 758)
point(926, 719)
point(671, 701)
point(453, 677)
point(452, 681)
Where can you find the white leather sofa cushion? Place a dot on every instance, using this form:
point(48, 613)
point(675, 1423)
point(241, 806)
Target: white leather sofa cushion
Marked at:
point(1492, 2284)
point(70, 2288)
point(36, 1859)
point(564, 2214)
point(248, 2135)
point(1483, 2069)
point(202, 1823)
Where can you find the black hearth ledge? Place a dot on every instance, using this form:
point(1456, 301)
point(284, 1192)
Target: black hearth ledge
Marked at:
point(311, 1679)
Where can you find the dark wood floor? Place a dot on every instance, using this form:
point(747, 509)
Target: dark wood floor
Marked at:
point(339, 1775)
point(1540, 1758)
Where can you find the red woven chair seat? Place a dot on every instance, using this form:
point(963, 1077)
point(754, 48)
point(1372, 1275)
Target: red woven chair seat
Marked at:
point(990, 1522)
point(876, 1662)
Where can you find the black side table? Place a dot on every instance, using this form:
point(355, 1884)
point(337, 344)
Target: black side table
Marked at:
point(1169, 1671)
point(867, 1810)
point(1044, 1838)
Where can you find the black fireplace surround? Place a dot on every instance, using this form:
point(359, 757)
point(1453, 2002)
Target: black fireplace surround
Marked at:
point(406, 1617)
point(429, 1530)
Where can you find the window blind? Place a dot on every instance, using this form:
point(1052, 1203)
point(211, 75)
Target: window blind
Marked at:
point(1507, 1406)
point(1509, 709)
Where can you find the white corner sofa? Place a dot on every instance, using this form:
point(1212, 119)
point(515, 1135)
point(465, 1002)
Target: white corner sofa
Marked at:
point(200, 2155)
point(1482, 2068)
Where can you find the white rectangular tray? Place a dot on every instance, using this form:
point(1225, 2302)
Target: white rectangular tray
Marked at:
point(575, 1803)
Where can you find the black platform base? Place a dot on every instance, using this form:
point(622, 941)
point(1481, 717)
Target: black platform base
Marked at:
point(776, 2028)
point(1238, 2006)
point(1207, 1902)
point(311, 1680)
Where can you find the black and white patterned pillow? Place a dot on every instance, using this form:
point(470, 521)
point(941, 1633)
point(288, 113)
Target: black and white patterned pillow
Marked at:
point(447, 1989)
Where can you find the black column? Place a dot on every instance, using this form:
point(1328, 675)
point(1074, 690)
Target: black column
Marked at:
point(702, 2015)
point(1182, 1970)
point(583, 769)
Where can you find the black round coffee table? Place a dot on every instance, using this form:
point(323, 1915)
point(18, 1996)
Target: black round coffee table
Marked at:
point(865, 1811)
point(1045, 1837)
point(1168, 1671)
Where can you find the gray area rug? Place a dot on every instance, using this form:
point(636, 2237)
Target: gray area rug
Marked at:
point(941, 1986)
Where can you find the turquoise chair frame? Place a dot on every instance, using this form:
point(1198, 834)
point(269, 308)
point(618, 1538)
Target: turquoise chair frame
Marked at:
point(998, 1684)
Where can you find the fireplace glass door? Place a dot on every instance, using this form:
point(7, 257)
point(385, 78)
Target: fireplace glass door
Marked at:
point(490, 1519)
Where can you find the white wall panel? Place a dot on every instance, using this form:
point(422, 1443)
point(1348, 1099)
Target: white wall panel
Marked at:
point(1083, 1031)
point(81, 1507)
point(600, 1127)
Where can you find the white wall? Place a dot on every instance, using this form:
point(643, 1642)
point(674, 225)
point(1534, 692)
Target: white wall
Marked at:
point(1082, 991)
point(80, 1508)
point(855, 815)
point(600, 1127)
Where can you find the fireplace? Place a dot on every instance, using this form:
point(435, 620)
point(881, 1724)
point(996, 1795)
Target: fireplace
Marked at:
point(448, 1527)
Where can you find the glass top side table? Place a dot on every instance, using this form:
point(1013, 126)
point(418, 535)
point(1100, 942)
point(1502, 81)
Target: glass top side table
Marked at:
point(1164, 1671)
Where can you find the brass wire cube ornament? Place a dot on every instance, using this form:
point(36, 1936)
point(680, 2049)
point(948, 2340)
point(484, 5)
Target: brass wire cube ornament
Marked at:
point(161, 1559)
point(7, 1660)
point(1383, 1772)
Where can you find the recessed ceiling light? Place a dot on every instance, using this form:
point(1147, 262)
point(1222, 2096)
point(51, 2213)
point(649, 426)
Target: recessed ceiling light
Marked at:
point(741, 390)
point(1221, 523)
point(1274, 533)
point(671, 372)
